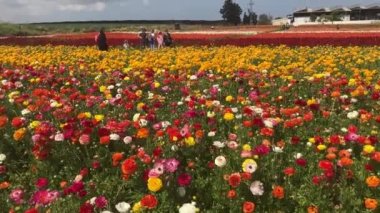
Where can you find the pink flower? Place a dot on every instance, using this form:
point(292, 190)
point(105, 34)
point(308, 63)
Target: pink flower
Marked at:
point(44, 197)
point(84, 139)
point(101, 202)
point(17, 196)
point(171, 165)
point(184, 179)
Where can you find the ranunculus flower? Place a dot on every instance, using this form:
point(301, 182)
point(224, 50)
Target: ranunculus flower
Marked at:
point(234, 180)
point(248, 207)
point(129, 166)
point(257, 188)
point(171, 165)
point(220, 161)
point(101, 202)
point(42, 182)
point(249, 165)
point(149, 201)
point(154, 184)
point(188, 208)
point(278, 192)
point(184, 179)
point(123, 207)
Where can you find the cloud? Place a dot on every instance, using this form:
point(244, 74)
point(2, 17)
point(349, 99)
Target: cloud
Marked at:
point(97, 6)
point(146, 2)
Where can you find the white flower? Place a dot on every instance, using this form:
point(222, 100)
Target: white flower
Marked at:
point(193, 77)
point(188, 208)
point(354, 100)
point(298, 156)
point(257, 188)
point(105, 211)
point(123, 207)
point(2, 157)
point(59, 137)
point(210, 114)
point(165, 124)
point(78, 178)
point(110, 87)
point(211, 134)
point(114, 137)
point(353, 114)
point(118, 96)
point(143, 122)
point(25, 111)
point(92, 200)
point(179, 103)
point(234, 110)
point(268, 123)
point(220, 161)
point(127, 139)
point(174, 148)
point(136, 117)
point(218, 144)
point(277, 149)
point(344, 129)
point(216, 103)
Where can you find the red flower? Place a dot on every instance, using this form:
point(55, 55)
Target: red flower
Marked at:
point(289, 171)
point(231, 194)
point(248, 207)
point(184, 179)
point(149, 201)
point(301, 162)
point(325, 165)
point(129, 166)
point(86, 208)
point(234, 180)
point(278, 192)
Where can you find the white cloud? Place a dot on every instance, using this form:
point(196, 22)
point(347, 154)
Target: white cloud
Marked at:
point(98, 6)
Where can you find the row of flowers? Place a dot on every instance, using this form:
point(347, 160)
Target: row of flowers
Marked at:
point(290, 39)
point(78, 139)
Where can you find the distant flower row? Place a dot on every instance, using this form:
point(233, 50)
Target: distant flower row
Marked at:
point(186, 39)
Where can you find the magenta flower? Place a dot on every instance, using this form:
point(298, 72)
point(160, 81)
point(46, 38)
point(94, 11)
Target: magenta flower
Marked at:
point(101, 202)
point(42, 182)
point(184, 179)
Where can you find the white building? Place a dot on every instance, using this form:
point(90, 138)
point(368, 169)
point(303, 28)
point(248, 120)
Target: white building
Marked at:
point(340, 15)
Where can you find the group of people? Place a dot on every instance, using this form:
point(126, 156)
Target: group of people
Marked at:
point(148, 40)
point(155, 39)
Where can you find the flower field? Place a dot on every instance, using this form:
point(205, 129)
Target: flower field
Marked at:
point(190, 129)
point(212, 39)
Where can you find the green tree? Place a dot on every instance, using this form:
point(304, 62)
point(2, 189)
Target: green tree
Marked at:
point(265, 19)
point(231, 12)
point(245, 18)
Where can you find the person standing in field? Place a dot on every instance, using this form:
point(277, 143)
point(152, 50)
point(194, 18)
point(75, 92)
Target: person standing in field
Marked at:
point(160, 40)
point(152, 39)
point(101, 40)
point(168, 38)
point(143, 38)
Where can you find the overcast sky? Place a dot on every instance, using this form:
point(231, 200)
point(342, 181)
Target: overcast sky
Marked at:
point(21, 11)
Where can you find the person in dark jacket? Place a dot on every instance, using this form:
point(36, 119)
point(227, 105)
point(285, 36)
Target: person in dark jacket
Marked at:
point(168, 41)
point(101, 40)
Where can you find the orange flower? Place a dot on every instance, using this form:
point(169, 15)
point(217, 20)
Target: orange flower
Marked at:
point(331, 156)
point(370, 203)
point(231, 194)
point(19, 134)
point(345, 161)
point(4, 185)
point(278, 192)
point(3, 120)
point(142, 133)
point(312, 209)
point(344, 153)
point(199, 134)
point(372, 181)
point(116, 158)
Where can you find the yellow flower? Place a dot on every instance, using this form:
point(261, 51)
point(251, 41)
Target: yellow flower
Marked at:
point(88, 114)
point(99, 117)
point(229, 98)
point(249, 165)
point(136, 207)
point(311, 140)
point(228, 116)
point(246, 147)
point(368, 149)
point(102, 88)
point(156, 84)
point(34, 124)
point(154, 184)
point(190, 141)
point(321, 147)
point(140, 106)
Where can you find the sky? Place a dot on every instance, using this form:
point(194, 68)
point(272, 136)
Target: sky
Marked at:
point(26, 11)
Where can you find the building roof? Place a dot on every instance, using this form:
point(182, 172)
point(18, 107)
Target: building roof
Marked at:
point(373, 6)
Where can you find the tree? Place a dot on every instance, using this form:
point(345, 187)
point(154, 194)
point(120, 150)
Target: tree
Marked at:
point(231, 12)
point(245, 18)
point(265, 19)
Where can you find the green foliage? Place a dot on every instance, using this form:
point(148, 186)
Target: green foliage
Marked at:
point(231, 12)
